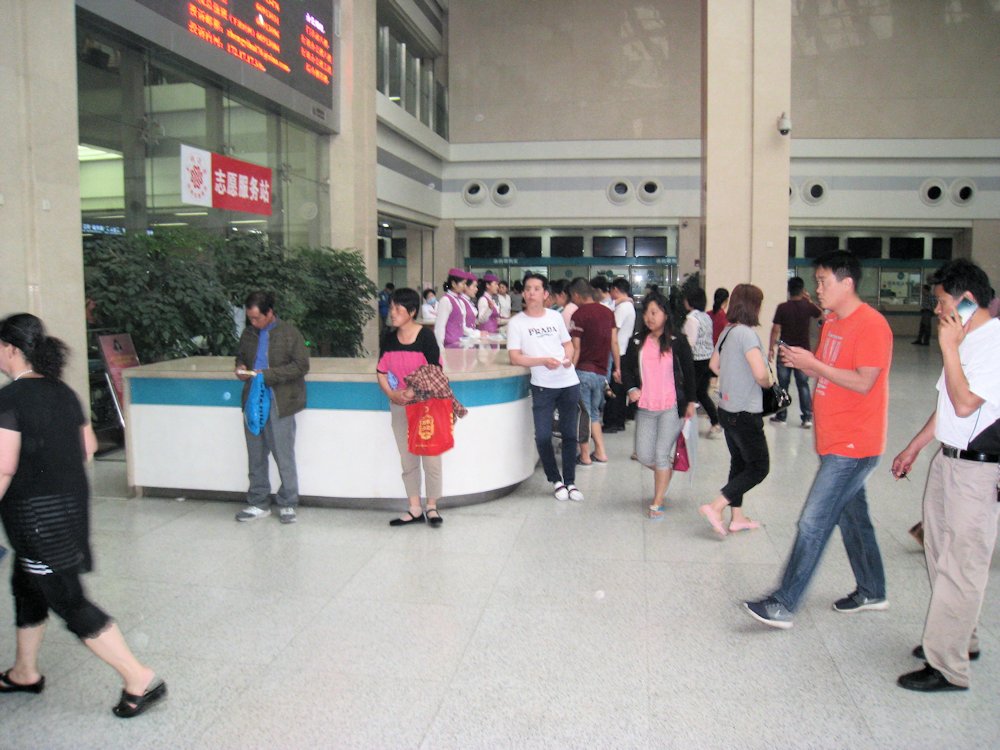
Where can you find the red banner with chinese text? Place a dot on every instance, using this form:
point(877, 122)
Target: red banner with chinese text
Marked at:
point(218, 181)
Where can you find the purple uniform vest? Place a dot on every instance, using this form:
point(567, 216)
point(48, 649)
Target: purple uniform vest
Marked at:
point(492, 323)
point(455, 328)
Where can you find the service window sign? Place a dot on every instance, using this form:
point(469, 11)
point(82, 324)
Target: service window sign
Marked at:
point(290, 40)
point(218, 181)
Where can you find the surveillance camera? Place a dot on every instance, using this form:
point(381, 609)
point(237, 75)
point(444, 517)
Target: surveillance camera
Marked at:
point(784, 124)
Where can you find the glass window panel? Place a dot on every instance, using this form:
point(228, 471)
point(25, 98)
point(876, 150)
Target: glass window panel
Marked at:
point(941, 248)
point(525, 247)
point(485, 247)
point(610, 247)
point(396, 51)
point(411, 98)
point(817, 246)
point(566, 247)
point(906, 248)
point(899, 286)
point(865, 247)
point(650, 247)
point(791, 246)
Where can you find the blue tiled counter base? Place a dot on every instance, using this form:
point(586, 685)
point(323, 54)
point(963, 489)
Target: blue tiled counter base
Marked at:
point(319, 394)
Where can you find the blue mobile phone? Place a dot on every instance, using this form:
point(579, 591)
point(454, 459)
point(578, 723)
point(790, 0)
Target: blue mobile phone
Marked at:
point(966, 307)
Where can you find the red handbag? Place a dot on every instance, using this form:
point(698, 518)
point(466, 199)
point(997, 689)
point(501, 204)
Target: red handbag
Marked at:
point(430, 427)
point(681, 462)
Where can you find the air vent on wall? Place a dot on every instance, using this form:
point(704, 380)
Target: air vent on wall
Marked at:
point(620, 191)
point(932, 192)
point(650, 191)
point(814, 191)
point(503, 193)
point(963, 192)
point(474, 192)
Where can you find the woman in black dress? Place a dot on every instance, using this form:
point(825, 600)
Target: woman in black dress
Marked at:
point(44, 501)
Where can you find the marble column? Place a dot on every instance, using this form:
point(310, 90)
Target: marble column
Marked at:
point(745, 160)
point(40, 233)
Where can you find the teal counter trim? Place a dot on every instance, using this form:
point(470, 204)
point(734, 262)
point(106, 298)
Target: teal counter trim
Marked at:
point(319, 395)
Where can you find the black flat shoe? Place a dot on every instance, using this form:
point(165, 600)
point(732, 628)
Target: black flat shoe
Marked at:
point(434, 520)
point(7, 685)
point(918, 651)
point(133, 705)
point(410, 518)
point(927, 680)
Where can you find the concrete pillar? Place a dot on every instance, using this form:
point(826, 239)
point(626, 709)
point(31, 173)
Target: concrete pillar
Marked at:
point(447, 253)
point(40, 234)
point(353, 204)
point(746, 86)
point(985, 245)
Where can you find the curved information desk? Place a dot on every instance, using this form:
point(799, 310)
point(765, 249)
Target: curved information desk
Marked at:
point(184, 431)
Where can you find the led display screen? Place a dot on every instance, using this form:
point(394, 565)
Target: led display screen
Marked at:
point(283, 50)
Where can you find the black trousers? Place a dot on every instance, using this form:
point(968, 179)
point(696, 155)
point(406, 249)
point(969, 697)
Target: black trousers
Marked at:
point(62, 592)
point(750, 461)
point(615, 408)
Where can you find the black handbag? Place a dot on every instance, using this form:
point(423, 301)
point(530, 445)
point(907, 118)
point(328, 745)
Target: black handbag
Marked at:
point(774, 398)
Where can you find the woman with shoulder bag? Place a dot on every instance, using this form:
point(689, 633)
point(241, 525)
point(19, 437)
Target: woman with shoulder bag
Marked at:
point(658, 376)
point(741, 362)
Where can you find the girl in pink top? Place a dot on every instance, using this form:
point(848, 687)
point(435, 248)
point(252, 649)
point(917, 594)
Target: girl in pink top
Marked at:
point(658, 375)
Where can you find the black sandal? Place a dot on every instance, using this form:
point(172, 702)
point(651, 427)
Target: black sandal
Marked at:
point(7, 685)
point(133, 705)
point(436, 519)
point(419, 518)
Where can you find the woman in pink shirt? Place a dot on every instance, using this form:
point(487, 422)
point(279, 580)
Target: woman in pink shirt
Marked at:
point(658, 375)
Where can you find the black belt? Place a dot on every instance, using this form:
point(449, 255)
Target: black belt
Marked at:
point(983, 458)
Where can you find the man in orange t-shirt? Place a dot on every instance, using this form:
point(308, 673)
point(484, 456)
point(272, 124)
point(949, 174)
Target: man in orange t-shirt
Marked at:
point(851, 405)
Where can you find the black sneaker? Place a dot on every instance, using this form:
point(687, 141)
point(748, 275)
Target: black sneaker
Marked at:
point(770, 612)
point(856, 603)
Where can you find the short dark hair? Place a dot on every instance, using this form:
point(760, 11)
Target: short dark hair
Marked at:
point(532, 275)
point(406, 298)
point(962, 275)
point(622, 285)
point(696, 298)
point(390, 286)
point(427, 291)
point(263, 301)
point(557, 286)
point(581, 287)
point(600, 283)
point(842, 264)
point(795, 286)
point(744, 305)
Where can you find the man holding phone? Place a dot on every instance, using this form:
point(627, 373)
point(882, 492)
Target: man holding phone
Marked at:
point(960, 510)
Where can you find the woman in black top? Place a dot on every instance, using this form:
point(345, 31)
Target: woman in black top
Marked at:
point(44, 502)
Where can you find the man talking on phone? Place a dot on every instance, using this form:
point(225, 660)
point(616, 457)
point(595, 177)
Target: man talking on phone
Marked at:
point(960, 499)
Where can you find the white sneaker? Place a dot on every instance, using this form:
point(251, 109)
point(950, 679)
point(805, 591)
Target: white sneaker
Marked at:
point(560, 491)
point(806, 424)
point(714, 432)
point(252, 513)
point(287, 515)
point(574, 494)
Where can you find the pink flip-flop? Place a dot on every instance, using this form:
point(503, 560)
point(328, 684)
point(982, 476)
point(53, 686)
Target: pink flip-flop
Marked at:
point(744, 526)
point(715, 519)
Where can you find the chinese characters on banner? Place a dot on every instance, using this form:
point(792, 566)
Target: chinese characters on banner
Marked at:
point(218, 181)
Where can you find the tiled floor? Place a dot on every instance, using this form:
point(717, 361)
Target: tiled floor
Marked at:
point(520, 623)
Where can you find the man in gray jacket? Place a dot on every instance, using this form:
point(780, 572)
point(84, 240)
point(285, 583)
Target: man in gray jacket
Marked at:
point(275, 349)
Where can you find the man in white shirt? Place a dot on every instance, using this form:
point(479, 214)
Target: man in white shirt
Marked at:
point(537, 338)
point(961, 507)
point(616, 408)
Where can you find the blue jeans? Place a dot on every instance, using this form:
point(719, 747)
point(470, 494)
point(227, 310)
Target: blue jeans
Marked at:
point(592, 388)
point(837, 498)
point(805, 396)
point(544, 402)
